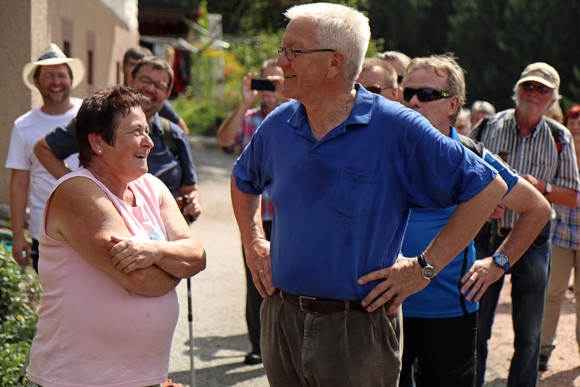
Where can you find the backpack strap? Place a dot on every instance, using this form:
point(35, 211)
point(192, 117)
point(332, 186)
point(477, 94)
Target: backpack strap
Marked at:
point(167, 137)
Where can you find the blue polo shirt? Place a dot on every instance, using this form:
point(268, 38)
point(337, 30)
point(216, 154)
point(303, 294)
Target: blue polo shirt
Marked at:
point(342, 203)
point(442, 298)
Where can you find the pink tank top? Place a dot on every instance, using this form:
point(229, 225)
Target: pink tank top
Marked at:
point(91, 330)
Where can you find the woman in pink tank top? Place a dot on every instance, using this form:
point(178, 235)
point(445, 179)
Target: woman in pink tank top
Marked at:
point(113, 247)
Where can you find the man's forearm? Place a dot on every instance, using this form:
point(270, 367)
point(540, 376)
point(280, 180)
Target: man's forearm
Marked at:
point(49, 160)
point(563, 196)
point(246, 210)
point(226, 134)
point(464, 224)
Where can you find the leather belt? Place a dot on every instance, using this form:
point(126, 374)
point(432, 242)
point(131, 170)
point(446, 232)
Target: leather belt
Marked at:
point(320, 305)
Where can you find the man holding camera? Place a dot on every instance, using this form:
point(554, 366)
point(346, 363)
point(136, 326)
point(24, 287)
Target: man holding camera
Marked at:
point(236, 132)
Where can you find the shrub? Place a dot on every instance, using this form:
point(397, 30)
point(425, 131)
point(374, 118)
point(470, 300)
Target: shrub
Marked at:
point(19, 299)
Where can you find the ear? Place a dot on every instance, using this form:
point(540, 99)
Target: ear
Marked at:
point(130, 79)
point(336, 64)
point(454, 105)
point(96, 142)
point(168, 94)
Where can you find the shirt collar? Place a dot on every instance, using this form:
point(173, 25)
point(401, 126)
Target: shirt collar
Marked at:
point(359, 115)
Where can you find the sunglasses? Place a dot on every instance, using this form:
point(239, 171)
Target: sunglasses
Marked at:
point(531, 87)
point(376, 89)
point(424, 94)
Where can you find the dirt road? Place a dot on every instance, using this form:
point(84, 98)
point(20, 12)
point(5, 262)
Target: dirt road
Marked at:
point(220, 340)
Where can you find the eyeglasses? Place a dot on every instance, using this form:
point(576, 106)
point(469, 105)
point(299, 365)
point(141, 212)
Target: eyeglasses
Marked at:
point(376, 89)
point(291, 53)
point(161, 86)
point(424, 94)
point(530, 87)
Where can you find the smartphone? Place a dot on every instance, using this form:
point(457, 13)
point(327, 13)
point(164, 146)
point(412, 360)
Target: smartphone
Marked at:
point(263, 84)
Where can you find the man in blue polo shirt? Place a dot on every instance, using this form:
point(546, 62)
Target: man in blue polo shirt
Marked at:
point(435, 87)
point(344, 167)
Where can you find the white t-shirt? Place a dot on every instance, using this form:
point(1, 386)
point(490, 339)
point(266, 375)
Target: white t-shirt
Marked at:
point(28, 129)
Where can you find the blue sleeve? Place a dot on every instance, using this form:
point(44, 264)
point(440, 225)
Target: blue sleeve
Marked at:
point(509, 176)
point(62, 141)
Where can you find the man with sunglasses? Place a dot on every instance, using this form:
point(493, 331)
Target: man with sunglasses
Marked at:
point(379, 77)
point(542, 151)
point(343, 168)
point(435, 87)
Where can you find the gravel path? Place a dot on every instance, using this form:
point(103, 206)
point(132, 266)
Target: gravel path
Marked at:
point(220, 337)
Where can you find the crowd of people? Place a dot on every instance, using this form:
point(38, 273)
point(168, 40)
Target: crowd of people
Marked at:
point(379, 216)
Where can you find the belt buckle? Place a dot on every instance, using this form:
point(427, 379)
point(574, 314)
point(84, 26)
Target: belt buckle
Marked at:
point(300, 298)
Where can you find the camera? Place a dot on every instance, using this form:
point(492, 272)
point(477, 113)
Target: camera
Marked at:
point(263, 84)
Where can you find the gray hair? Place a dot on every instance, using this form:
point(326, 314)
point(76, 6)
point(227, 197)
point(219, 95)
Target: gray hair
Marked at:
point(340, 28)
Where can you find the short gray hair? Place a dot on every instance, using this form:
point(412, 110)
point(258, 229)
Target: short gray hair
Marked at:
point(340, 28)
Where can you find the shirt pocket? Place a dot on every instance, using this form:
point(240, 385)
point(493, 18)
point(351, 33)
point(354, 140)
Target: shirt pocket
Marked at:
point(355, 193)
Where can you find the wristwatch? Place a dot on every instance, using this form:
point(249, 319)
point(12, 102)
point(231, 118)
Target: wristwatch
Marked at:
point(548, 188)
point(502, 261)
point(427, 271)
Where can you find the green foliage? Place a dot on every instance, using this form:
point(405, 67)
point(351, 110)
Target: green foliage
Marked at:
point(19, 298)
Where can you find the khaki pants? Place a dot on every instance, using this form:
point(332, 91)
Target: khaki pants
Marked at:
point(563, 261)
point(347, 348)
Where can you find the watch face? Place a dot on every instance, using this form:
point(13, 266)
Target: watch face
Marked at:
point(428, 272)
point(501, 260)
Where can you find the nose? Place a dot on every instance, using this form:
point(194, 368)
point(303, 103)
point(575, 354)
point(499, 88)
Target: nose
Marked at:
point(282, 60)
point(147, 142)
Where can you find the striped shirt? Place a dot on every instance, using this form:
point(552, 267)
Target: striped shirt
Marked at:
point(535, 154)
point(252, 119)
point(566, 229)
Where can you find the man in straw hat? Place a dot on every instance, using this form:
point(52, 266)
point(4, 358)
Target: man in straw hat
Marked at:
point(53, 75)
point(542, 151)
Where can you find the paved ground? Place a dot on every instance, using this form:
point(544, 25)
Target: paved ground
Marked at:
point(220, 340)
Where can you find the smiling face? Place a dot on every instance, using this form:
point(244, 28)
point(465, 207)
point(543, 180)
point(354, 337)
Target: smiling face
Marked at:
point(305, 75)
point(128, 156)
point(54, 83)
point(152, 83)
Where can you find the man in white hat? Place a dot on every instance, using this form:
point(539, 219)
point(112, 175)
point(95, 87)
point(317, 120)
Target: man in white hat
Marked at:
point(542, 151)
point(53, 75)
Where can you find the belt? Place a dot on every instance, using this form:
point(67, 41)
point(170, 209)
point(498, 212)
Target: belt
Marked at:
point(320, 305)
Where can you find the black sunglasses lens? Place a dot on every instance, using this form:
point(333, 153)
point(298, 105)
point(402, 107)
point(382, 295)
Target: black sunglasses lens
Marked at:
point(374, 89)
point(542, 89)
point(424, 94)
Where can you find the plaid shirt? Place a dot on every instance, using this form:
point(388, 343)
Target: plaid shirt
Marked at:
point(535, 154)
point(566, 232)
point(252, 119)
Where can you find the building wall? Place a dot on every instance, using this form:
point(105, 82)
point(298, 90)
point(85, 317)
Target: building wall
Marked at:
point(106, 28)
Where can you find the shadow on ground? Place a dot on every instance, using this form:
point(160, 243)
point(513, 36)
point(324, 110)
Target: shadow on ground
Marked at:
point(228, 355)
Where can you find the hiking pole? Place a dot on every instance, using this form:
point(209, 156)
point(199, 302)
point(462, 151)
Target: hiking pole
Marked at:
point(190, 319)
point(189, 219)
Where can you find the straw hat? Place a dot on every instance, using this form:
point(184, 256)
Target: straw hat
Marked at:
point(53, 56)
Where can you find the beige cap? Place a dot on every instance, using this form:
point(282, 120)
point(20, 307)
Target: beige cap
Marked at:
point(541, 72)
point(53, 56)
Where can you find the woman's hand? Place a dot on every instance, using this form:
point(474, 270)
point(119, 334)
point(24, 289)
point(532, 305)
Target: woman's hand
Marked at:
point(130, 254)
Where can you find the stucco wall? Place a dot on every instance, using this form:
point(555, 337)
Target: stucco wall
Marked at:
point(28, 26)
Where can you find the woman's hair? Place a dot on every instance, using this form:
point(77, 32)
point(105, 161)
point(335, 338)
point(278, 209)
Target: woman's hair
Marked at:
point(573, 112)
point(340, 28)
point(100, 113)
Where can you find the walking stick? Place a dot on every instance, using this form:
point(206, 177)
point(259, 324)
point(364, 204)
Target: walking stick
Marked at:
point(190, 319)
